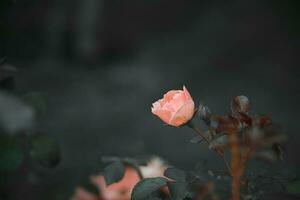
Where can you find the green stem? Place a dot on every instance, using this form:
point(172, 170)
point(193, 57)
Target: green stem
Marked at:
point(202, 134)
point(198, 130)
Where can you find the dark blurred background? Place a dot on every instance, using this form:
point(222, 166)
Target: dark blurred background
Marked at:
point(102, 63)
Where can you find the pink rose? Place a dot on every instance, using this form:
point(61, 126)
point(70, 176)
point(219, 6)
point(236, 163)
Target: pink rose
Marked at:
point(175, 108)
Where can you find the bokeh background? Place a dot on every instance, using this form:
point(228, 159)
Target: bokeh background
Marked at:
point(102, 63)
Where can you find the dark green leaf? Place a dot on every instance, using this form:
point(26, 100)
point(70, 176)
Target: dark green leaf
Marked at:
point(178, 190)
point(114, 172)
point(44, 149)
point(147, 187)
point(11, 154)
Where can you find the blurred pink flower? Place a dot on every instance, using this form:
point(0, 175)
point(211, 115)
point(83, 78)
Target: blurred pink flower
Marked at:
point(175, 108)
point(116, 191)
point(82, 194)
point(154, 168)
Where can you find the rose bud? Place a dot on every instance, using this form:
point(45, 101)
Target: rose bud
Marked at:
point(240, 104)
point(204, 113)
point(175, 108)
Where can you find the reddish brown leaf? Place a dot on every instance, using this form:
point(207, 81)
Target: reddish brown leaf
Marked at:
point(226, 124)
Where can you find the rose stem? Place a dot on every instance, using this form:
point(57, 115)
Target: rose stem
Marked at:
point(198, 130)
point(202, 134)
point(236, 163)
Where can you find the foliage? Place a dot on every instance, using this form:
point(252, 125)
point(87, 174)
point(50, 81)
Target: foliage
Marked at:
point(242, 135)
point(20, 143)
point(11, 153)
point(44, 149)
point(114, 172)
point(147, 187)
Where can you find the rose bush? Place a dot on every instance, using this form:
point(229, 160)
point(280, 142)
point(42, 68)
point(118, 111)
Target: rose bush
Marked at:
point(239, 134)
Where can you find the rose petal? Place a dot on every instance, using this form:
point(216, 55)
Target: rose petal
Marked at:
point(184, 114)
point(164, 115)
point(187, 94)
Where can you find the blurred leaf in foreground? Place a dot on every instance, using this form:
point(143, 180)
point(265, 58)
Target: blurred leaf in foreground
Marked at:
point(114, 172)
point(294, 187)
point(44, 149)
point(11, 155)
point(37, 101)
point(15, 116)
point(147, 187)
